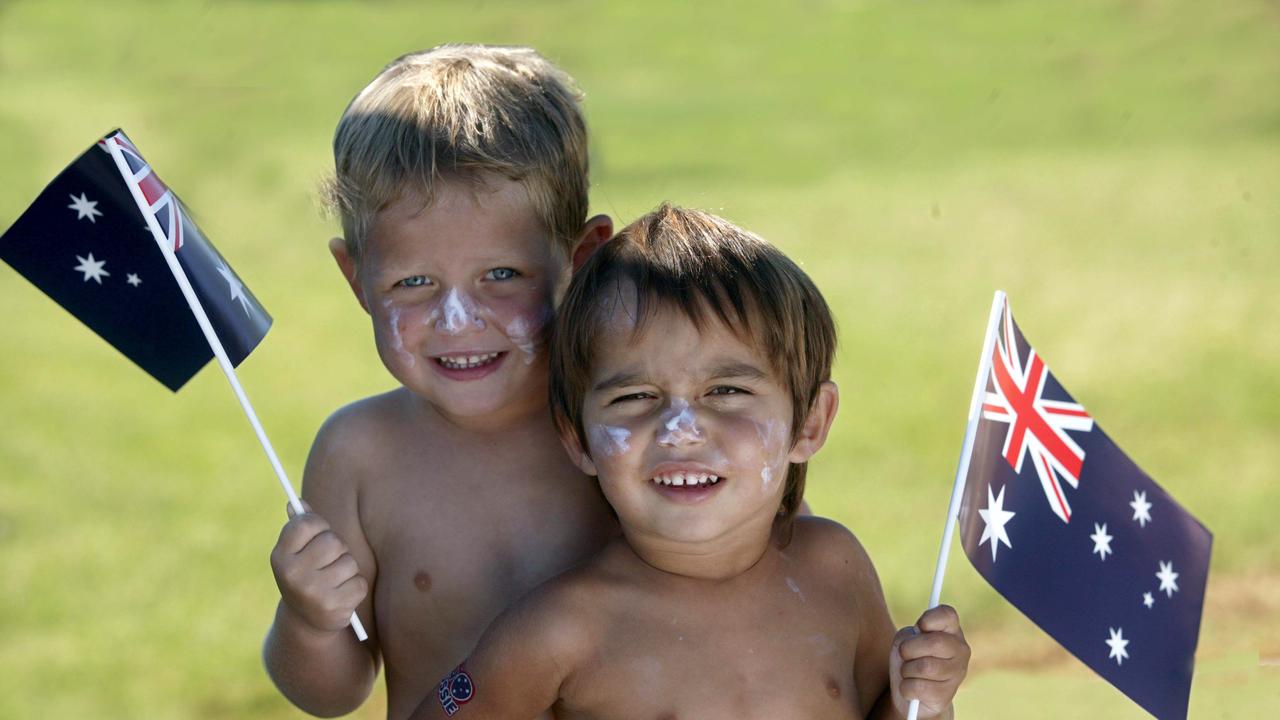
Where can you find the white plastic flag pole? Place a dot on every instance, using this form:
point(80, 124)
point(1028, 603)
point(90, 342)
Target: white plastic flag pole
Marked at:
point(966, 451)
point(216, 345)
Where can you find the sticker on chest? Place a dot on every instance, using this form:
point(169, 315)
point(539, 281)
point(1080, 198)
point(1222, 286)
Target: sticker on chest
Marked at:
point(456, 690)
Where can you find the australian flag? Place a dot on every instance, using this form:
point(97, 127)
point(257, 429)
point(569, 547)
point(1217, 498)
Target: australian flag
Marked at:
point(87, 244)
point(1067, 528)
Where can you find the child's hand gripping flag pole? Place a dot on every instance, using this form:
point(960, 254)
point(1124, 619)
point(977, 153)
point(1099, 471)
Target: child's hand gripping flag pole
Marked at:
point(1094, 551)
point(132, 305)
point(962, 470)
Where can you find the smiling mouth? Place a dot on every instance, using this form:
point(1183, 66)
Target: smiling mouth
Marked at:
point(467, 362)
point(685, 479)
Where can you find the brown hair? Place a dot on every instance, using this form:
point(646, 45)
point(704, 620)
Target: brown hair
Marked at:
point(698, 263)
point(462, 112)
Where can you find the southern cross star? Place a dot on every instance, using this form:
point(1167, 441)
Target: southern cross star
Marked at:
point(84, 207)
point(1168, 578)
point(92, 269)
point(1117, 643)
point(1141, 508)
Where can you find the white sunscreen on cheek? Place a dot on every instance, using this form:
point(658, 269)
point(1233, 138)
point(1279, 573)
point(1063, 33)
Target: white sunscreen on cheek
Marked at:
point(769, 442)
point(397, 342)
point(609, 440)
point(523, 332)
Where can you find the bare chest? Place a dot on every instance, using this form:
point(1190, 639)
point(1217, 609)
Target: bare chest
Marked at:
point(786, 658)
point(457, 547)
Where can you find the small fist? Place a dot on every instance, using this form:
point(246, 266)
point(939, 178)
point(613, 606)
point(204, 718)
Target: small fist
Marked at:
point(319, 580)
point(927, 662)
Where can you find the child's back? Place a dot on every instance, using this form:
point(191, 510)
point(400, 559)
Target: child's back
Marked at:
point(461, 182)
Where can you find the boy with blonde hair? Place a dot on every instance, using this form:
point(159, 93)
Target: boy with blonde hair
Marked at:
point(691, 373)
point(461, 182)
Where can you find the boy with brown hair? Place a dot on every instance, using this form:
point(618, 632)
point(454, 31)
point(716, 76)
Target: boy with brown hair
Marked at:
point(691, 366)
point(461, 181)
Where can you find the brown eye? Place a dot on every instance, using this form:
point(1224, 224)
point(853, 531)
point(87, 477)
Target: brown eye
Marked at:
point(630, 396)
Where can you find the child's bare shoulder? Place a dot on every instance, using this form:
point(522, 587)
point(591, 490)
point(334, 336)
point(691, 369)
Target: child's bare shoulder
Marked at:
point(357, 432)
point(832, 549)
point(565, 615)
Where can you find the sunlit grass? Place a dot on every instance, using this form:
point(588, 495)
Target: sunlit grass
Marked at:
point(1111, 165)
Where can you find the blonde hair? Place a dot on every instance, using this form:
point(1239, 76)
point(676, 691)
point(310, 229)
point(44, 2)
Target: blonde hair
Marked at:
point(462, 112)
point(710, 270)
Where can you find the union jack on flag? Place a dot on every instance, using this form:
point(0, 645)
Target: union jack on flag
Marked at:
point(164, 205)
point(1111, 566)
point(1037, 424)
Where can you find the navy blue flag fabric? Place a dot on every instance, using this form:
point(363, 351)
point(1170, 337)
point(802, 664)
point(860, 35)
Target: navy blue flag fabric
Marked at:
point(1067, 528)
point(86, 244)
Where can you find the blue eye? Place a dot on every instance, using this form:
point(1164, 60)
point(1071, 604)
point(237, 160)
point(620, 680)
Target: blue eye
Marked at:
point(500, 274)
point(414, 281)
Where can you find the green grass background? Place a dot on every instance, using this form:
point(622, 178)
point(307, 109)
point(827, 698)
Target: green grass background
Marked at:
point(1114, 166)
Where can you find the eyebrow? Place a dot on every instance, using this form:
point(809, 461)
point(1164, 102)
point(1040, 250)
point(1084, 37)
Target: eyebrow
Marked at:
point(618, 380)
point(742, 370)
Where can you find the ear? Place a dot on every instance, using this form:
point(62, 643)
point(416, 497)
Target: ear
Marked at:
point(347, 264)
point(816, 426)
point(577, 454)
point(595, 233)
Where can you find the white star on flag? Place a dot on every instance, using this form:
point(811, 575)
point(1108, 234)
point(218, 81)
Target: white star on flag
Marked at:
point(92, 269)
point(1117, 643)
point(1101, 540)
point(1168, 578)
point(995, 517)
point(236, 287)
point(1141, 508)
point(133, 279)
point(84, 207)
point(1148, 600)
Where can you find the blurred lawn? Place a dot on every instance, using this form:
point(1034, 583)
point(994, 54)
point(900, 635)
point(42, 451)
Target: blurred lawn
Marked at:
point(1112, 165)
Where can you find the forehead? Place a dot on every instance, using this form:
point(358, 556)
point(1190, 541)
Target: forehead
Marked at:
point(665, 338)
point(463, 218)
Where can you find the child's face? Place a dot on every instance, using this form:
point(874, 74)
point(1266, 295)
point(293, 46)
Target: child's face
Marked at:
point(688, 431)
point(460, 292)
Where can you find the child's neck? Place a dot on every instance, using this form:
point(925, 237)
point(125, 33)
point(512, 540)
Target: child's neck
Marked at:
point(511, 420)
point(717, 560)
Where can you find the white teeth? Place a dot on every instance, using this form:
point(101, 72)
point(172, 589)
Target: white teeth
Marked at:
point(467, 361)
point(683, 479)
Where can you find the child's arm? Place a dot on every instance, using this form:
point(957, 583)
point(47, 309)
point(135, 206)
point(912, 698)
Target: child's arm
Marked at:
point(517, 669)
point(926, 661)
point(324, 568)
